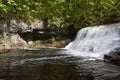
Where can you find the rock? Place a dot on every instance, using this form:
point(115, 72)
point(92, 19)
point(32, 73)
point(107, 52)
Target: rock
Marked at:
point(113, 56)
point(19, 26)
point(11, 36)
point(14, 41)
point(38, 24)
point(2, 51)
point(19, 34)
point(91, 76)
point(23, 27)
point(14, 27)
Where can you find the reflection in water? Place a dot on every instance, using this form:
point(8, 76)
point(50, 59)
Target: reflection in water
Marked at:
point(53, 64)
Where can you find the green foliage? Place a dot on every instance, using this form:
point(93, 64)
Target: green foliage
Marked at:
point(63, 13)
point(53, 39)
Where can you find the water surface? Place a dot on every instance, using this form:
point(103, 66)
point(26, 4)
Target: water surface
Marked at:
point(53, 64)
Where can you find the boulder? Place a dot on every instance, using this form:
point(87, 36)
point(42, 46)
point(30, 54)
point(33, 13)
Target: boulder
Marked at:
point(113, 56)
point(11, 36)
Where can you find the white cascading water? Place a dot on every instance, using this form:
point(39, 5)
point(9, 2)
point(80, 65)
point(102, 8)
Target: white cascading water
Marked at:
point(96, 41)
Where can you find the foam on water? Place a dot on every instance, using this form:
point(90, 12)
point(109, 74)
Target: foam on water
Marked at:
point(96, 41)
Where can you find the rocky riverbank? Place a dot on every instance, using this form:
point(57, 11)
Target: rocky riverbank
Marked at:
point(20, 35)
point(48, 43)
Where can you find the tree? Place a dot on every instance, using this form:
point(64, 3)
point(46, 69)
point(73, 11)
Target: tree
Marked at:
point(62, 13)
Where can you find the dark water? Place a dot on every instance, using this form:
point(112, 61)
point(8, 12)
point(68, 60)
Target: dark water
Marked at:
point(53, 64)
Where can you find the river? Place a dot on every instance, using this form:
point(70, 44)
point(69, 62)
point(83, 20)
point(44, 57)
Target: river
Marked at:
point(53, 64)
point(82, 59)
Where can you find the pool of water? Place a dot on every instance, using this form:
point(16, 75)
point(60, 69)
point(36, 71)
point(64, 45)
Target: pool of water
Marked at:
point(53, 64)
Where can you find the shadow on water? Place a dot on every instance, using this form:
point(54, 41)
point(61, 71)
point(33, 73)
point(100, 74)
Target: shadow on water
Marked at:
point(53, 64)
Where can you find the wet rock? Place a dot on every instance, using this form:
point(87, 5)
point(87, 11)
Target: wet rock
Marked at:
point(91, 76)
point(113, 56)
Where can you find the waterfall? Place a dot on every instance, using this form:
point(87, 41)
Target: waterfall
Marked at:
point(97, 40)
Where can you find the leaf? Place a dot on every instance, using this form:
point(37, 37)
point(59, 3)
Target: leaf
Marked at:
point(91, 3)
point(19, 8)
point(61, 1)
point(5, 10)
point(2, 5)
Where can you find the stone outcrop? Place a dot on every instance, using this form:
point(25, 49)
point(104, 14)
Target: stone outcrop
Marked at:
point(37, 31)
point(18, 33)
point(11, 30)
point(113, 56)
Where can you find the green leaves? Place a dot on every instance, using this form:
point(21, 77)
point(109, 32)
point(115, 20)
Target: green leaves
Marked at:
point(12, 3)
point(63, 12)
point(61, 0)
point(3, 8)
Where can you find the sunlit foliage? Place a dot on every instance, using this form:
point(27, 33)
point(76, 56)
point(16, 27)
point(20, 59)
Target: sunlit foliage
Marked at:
point(62, 13)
